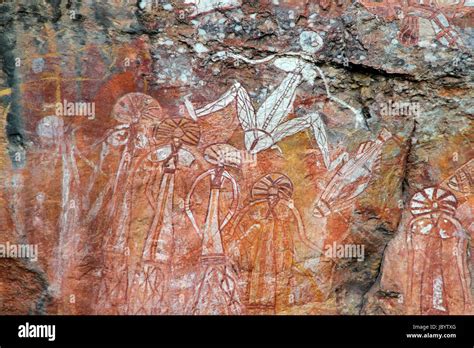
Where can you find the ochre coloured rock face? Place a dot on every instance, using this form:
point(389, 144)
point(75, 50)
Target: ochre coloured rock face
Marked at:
point(236, 157)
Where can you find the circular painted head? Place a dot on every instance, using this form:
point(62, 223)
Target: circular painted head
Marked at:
point(273, 187)
point(177, 131)
point(223, 155)
point(50, 127)
point(432, 200)
point(137, 108)
point(311, 42)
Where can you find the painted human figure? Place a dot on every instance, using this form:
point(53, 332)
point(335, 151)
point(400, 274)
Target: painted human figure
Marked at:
point(217, 291)
point(438, 275)
point(136, 112)
point(53, 130)
point(351, 177)
point(262, 241)
point(439, 13)
point(147, 293)
point(265, 127)
point(461, 184)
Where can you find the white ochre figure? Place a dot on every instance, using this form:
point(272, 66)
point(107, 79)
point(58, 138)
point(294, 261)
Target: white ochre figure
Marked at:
point(268, 125)
point(351, 177)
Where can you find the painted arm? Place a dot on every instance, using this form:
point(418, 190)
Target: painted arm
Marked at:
point(301, 230)
point(235, 199)
point(360, 120)
point(236, 236)
point(461, 262)
point(187, 203)
point(223, 101)
point(149, 186)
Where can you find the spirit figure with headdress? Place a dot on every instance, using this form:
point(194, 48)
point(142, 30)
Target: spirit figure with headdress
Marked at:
point(217, 291)
point(438, 275)
point(262, 241)
point(136, 112)
point(148, 290)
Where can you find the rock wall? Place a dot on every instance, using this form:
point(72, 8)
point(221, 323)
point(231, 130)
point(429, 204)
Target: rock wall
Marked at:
point(236, 157)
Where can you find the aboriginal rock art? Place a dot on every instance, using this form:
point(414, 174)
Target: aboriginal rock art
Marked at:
point(351, 177)
point(135, 112)
point(197, 7)
point(265, 127)
point(53, 130)
point(147, 294)
point(217, 289)
point(439, 14)
point(232, 161)
point(438, 275)
point(262, 242)
point(462, 181)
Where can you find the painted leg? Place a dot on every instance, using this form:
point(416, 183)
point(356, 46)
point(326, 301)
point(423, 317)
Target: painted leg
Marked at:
point(299, 124)
point(245, 110)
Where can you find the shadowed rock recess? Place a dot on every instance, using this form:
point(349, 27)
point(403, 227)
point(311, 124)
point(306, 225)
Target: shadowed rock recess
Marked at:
point(236, 157)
